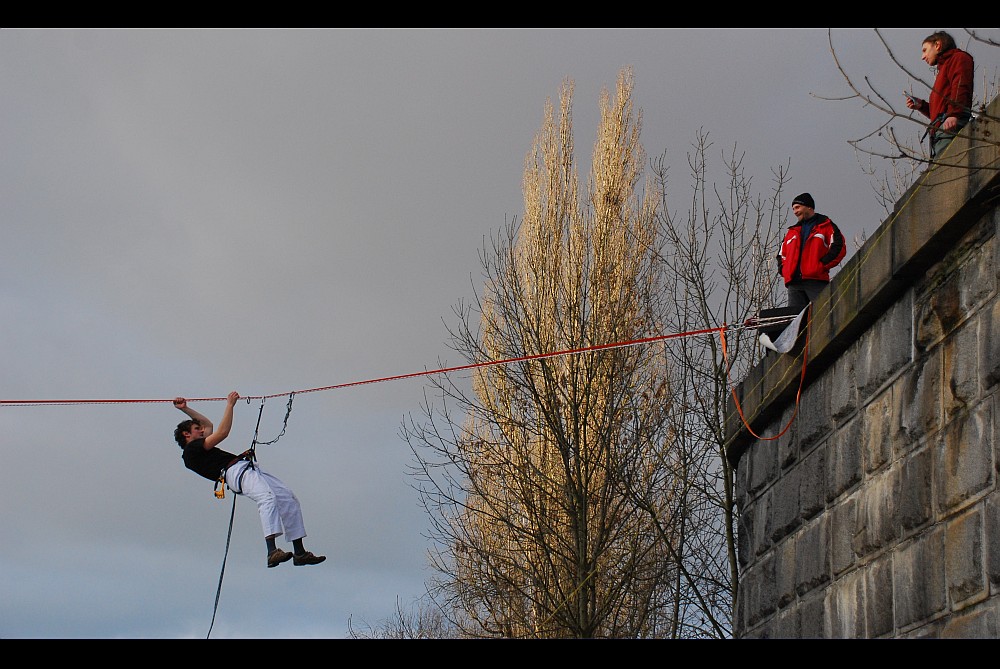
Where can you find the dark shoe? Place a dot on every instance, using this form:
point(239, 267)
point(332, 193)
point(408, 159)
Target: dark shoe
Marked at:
point(278, 556)
point(307, 558)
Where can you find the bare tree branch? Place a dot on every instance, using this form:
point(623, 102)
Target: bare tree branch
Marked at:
point(984, 40)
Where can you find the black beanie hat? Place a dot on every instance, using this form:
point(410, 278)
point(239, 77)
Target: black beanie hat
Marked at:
point(805, 200)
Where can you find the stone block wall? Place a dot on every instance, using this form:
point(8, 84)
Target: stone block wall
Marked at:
point(876, 512)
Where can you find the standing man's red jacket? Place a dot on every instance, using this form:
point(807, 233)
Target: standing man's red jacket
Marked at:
point(952, 92)
point(816, 256)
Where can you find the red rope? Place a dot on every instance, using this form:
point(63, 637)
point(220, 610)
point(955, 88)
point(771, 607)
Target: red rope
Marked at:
point(398, 377)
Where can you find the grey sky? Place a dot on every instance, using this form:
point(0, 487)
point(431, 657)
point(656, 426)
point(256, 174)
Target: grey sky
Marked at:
point(188, 212)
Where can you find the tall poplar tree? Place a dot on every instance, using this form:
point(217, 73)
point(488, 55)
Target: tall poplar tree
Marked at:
point(545, 479)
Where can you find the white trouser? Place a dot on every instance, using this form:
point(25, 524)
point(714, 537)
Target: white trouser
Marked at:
point(279, 508)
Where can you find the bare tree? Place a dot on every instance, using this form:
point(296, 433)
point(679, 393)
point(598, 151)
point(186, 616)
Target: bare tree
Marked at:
point(895, 141)
point(531, 485)
point(422, 621)
point(719, 269)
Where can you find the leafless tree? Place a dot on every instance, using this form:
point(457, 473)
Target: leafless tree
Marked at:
point(421, 621)
point(719, 269)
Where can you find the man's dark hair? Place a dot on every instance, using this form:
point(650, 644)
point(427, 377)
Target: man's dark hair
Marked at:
point(181, 429)
point(942, 39)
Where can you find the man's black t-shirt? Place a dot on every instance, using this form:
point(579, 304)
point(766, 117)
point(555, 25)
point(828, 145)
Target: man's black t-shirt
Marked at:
point(206, 463)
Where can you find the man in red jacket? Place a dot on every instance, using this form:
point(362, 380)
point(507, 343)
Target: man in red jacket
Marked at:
point(812, 247)
point(950, 106)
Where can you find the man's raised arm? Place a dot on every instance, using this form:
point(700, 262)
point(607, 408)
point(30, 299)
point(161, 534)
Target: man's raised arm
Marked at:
point(226, 424)
point(182, 404)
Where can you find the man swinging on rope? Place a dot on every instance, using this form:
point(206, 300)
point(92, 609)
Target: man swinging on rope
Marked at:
point(278, 507)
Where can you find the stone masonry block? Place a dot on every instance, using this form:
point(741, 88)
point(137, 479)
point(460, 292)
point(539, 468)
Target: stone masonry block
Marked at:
point(785, 508)
point(983, 151)
point(918, 579)
point(919, 400)
point(874, 272)
point(754, 392)
point(812, 561)
point(845, 607)
point(763, 601)
point(994, 405)
point(844, 460)
point(784, 571)
point(843, 386)
point(991, 523)
point(788, 442)
point(965, 461)
point(974, 257)
point(762, 456)
point(937, 313)
point(885, 347)
point(739, 612)
point(812, 617)
point(914, 490)
point(741, 481)
point(989, 344)
point(954, 287)
point(979, 622)
point(814, 414)
point(978, 283)
point(812, 482)
point(921, 222)
point(842, 306)
point(786, 625)
point(744, 528)
point(877, 503)
point(760, 534)
point(746, 596)
point(993, 222)
point(746, 541)
point(876, 431)
point(961, 368)
point(822, 324)
point(878, 600)
point(844, 521)
point(964, 570)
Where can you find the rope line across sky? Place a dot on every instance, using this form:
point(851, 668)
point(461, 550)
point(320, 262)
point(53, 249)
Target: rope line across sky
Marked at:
point(752, 323)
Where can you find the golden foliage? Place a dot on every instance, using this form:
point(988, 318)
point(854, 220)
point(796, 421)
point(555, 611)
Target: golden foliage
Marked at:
point(551, 542)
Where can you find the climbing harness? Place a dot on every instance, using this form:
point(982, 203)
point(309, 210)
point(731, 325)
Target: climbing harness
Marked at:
point(220, 483)
point(250, 455)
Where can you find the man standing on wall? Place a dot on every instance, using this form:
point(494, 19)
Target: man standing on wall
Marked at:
point(950, 106)
point(812, 247)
